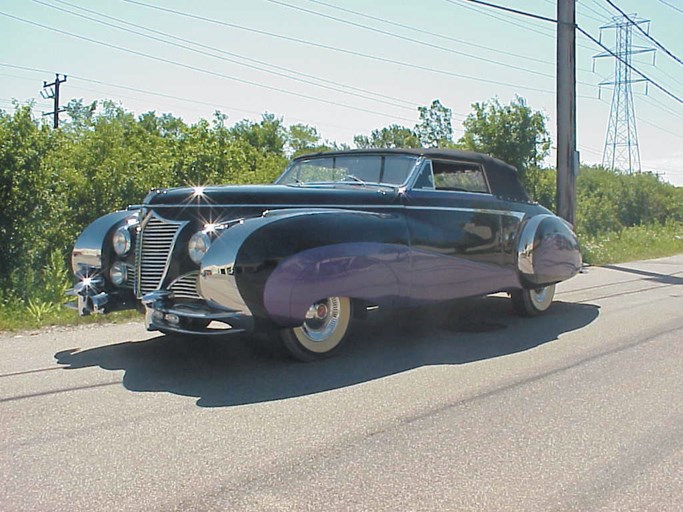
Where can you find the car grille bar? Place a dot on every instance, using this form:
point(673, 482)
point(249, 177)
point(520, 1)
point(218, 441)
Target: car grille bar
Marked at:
point(155, 245)
point(185, 287)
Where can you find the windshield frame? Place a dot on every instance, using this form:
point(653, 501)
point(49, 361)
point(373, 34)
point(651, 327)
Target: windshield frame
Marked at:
point(350, 179)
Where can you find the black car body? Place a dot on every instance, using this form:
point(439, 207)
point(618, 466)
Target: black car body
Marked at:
point(362, 229)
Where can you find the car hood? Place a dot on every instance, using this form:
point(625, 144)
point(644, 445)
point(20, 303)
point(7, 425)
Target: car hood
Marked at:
point(270, 196)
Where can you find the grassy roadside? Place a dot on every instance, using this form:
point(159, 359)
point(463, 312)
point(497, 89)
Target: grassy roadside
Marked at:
point(634, 243)
point(22, 318)
point(629, 244)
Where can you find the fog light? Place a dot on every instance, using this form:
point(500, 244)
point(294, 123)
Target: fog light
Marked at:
point(118, 273)
point(172, 319)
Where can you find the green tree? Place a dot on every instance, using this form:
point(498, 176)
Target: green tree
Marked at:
point(514, 133)
point(302, 139)
point(435, 127)
point(269, 135)
point(392, 136)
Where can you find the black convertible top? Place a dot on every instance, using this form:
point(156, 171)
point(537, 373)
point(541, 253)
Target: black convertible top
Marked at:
point(502, 176)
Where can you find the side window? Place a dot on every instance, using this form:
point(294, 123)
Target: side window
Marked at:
point(459, 176)
point(425, 180)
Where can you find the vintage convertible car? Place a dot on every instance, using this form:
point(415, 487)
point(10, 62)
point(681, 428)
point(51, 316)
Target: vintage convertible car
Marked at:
point(337, 235)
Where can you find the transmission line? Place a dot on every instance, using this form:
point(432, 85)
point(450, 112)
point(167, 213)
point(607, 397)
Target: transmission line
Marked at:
point(585, 33)
point(202, 70)
point(600, 17)
point(409, 39)
point(514, 11)
point(629, 65)
point(152, 93)
point(478, 10)
point(431, 33)
point(672, 6)
point(646, 34)
point(412, 107)
point(337, 49)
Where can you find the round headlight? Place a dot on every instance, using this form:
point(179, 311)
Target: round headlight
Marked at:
point(199, 244)
point(121, 241)
point(118, 273)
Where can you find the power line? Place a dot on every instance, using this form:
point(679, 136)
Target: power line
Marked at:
point(672, 6)
point(202, 70)
point(646, 34)
point(658, 127)
point(431, 33)
point(409, 39)
point(600, 17)
point(337, 49)
point(598, 5)
point(156, 94)
point(406, 104)
point(514, 11)
point(658, 104)
point(628, 65)
point(477, 9)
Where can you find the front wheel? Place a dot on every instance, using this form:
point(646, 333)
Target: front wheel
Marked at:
point(532, 301)
point(323, 332)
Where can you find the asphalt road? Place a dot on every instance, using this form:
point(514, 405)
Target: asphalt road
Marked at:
point(460, 407)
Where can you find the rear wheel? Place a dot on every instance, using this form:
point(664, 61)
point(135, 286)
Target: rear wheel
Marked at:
point(533, 301)
point(323, 332)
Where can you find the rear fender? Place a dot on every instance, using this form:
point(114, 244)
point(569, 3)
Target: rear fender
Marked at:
point(547, 251)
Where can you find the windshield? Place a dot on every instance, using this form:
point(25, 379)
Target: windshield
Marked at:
point(390, 170)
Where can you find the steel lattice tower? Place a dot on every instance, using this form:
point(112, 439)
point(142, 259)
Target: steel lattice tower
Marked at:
point(621, 143)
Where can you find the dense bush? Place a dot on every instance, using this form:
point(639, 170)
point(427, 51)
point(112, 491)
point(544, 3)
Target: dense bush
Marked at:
point(54, 182)
point(608, 202)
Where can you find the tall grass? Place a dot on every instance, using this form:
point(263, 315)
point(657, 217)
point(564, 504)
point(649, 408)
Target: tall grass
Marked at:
point(633, 243)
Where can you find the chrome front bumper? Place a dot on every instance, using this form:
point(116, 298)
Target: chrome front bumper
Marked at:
point(201, 318)
point(91, 300)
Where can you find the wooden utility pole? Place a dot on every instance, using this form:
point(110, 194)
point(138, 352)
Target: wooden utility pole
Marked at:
point(54, 94)
point(567, 156)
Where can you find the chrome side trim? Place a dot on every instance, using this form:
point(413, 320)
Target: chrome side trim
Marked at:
point(507, 213)
point(359, 207)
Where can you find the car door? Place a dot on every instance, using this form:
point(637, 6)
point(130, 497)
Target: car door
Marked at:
point(455, 226)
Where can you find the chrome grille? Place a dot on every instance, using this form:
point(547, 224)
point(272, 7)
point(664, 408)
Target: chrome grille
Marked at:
point(156, 242)
point(130, 270)
point(185, 287)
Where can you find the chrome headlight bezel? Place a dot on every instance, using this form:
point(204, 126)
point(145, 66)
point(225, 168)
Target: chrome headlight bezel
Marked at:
point(122, 241)
point(198, 246)
point(118, 273)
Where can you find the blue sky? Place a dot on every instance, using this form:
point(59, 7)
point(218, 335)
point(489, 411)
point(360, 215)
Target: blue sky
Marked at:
point(481, 54)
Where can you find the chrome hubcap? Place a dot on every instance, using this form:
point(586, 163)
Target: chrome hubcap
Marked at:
point(322, 319)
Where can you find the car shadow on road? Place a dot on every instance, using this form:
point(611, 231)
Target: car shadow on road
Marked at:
point(240, 371)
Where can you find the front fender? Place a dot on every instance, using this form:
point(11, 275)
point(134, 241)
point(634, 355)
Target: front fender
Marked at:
point(89, 249)
point(278, 265)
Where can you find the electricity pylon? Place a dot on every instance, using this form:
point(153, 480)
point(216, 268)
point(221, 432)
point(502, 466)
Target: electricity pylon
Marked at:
point(621, 143)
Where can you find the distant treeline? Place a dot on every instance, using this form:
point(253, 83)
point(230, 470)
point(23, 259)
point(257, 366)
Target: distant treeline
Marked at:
point(54, 182)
